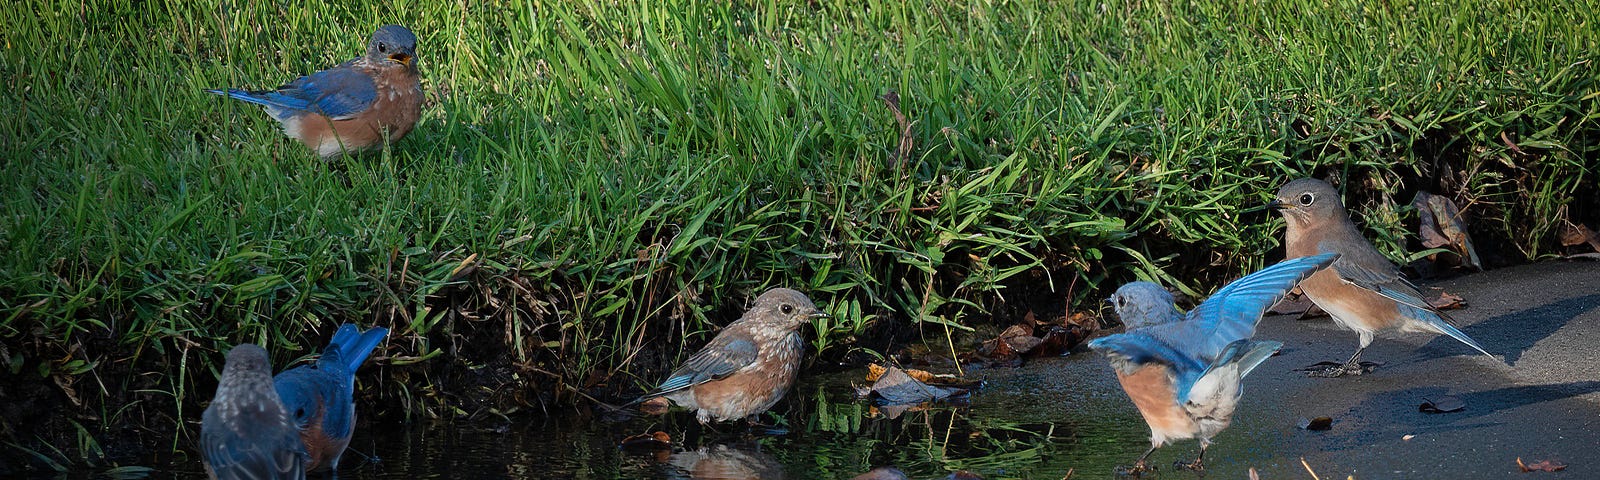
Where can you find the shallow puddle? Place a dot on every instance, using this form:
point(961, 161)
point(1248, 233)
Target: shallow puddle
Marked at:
point(1038, 421)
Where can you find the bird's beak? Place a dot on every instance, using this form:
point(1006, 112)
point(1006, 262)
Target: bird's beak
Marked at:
point(1111, 300)
point(403, 58)
point(1272, 205)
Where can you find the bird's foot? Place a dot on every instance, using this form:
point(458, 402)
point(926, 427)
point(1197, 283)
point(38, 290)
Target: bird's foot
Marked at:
point(1335, 370)
point(1197, 466)
point(1138, 469)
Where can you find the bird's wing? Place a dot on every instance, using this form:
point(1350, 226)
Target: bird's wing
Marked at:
point(1232, 313)
point(724, 355)
point(232, 456)
point(1128, 351)
point(1386, 280)
point(338, 93)
point(1382, 278)
point(1215, 393)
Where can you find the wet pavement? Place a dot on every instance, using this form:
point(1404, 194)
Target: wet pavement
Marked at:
point(1059, 415)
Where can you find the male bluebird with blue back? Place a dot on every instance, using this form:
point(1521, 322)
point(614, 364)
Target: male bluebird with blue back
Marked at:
point(358, 105)
point(1183, 371)
point(246, 433)
point(1363, 291)
point(747, 367)
point(320, 398)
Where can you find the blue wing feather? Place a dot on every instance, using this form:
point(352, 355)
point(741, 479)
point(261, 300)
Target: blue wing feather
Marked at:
point(337, 93)
point(1232, 313)
point(720, 358)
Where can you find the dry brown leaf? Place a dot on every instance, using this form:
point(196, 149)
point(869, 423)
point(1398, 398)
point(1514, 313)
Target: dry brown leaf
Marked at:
point(655, 406)
point(1541, 466)
point(1573, 234)
point(649, 440)
point(895, 387)
point(874, 371)
point(1447, 301)
point(1444, 404)
point(1441, 224)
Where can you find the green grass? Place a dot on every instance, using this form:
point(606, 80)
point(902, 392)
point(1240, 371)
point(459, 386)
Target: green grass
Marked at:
point(596, 186)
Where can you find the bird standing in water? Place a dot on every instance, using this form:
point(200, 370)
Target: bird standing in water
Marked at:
point(747, 367)
point(246, 433)
point(1363, 291)
point(1183, 371)
point(320, 398)
point(358, 105)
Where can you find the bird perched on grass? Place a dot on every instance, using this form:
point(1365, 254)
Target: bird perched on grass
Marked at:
point(1363, 291)
point(320, 398)
point(747, 367)
point(358, 105)
point(1183, 371)
point(246, 433)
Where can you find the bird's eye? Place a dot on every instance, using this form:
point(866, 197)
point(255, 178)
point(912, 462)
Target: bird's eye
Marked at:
point(786, 309)
point(383, 47)
point(1122, 301)
point(1307, 198)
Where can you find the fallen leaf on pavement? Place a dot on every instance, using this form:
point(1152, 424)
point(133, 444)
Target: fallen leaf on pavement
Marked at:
point(1317, 424)
point(1541, 466)
point(1444, 404)
point(1408, 437)
point(1447, 301)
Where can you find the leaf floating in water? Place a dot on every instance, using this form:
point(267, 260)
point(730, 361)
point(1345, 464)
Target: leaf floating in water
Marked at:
point(1445, 404)
point(1541, 466)
point(648, 440)
point(655, 406)
point(1408, 437)
point(1317, 424)
point(896, 387)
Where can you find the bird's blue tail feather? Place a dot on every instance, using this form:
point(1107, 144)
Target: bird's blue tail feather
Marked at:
point(354, 345)
point(1438, 323)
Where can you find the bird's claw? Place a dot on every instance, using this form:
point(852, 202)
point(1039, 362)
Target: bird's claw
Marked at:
point(1136, 470)
point(1333, 370)
point(1197, 465)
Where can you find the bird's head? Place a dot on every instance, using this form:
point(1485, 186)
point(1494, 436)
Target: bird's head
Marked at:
point(786, 308)
point(1142, 304)
point(1307, 201)
point(393, 43)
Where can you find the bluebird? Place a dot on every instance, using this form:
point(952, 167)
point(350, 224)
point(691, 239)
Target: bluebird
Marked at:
point(1363, 291)
point(246, 433)
point(320, 398)
point(357, 105)
point(747, 367)
point(1183, 371)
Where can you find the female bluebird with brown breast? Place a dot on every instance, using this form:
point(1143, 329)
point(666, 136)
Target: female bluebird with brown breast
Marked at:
point(1183, 372)
point(1363, 291)
point(360, 104)
point(246, 433)
point(320, 398)
point(747, 367)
